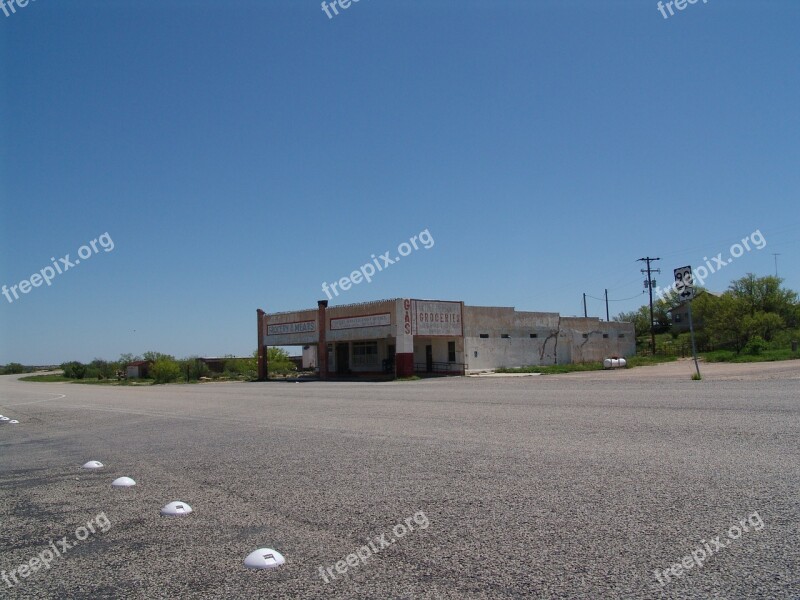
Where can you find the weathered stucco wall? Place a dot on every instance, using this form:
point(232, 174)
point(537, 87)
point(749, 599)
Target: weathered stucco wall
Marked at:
point(518, 339)
point(519, 348)
point(593, 340)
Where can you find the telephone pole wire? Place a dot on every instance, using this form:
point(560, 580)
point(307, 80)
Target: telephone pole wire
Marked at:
point(649, 284)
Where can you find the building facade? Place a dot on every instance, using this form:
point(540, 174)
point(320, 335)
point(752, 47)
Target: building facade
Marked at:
point(404, 336)
point(679, 315)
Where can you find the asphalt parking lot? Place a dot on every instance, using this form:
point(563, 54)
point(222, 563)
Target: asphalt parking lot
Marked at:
point(543, 487)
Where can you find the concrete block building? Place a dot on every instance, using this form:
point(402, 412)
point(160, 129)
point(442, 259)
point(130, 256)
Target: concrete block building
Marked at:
point(404, 336)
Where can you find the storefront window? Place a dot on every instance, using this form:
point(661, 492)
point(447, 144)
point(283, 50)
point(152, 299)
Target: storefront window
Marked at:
point(365, 354)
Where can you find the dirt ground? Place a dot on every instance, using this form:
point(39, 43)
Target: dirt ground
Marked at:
point(786, 369)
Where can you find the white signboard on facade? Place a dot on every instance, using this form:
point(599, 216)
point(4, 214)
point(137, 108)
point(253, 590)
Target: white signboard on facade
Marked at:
point(365, 321)
point(430, 317)
point(684, 283)
point(284, 328)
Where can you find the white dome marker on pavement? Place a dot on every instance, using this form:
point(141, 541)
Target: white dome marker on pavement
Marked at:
point(13, 422)
point(176, 509)
point(264, 558)
point(93, 464)
point(4, 419)
point(123, 482)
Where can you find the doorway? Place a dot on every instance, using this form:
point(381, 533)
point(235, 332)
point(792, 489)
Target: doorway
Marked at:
point(343, 358)
point(388, 365)
point(429, 358)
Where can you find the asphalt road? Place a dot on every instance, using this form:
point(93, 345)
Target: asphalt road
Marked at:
point(531, 487)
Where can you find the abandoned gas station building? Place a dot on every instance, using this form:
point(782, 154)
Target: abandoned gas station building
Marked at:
point(403, 336)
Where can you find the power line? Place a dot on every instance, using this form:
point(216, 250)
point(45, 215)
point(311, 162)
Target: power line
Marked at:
point(610, 300)
point(772, 233)
point(626, 284)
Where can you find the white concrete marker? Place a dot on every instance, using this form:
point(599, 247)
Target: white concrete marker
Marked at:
point(264, 558)
point(93, 464)
point(176, 509)
point(13, 422)
point(123, 482)
point(4, 419)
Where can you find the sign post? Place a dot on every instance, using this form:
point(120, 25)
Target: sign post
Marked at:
point(684, 285)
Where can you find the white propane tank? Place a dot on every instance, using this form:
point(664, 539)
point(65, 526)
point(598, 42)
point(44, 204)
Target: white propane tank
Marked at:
point(614, 363)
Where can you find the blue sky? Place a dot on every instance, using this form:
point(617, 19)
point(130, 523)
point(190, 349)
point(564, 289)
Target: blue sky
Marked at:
point(240, 153)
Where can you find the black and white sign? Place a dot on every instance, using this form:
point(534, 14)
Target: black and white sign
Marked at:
point(684, 283)
point(363, 321)
point(289, 328)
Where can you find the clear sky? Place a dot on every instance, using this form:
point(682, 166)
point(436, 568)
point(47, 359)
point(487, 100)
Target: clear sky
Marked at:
point(240, 153)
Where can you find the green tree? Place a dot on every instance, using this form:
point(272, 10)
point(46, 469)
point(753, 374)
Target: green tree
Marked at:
point(194, 367)
point(278, 361)
point(246, 367)
point(12, 369)
point(103, 368)
point(752, 309)
point(165, 370)
point(155, 356)
point(765, 294)
point(74, 369)
point(641, 318)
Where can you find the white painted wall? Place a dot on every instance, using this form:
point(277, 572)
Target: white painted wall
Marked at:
point(559, 340)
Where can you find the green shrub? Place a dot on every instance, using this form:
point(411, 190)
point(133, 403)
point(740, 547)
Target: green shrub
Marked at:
point(783, 339)
point(12, 369)
point(165, 370)
point(103, 369)
point(197, 369)
point(765, 356)
point(92, 373)
point(755, 346)
point(235, 367)
point(74, 369)
point(154, 356)
point(193, 369)
point(640, 361)
point(278, 361)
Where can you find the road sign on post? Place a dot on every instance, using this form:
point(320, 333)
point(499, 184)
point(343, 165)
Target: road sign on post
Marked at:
point(684, 285)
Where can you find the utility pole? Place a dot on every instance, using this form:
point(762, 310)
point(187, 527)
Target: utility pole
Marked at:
point(607, 318)
point(650, 284)
point(776, 255)
point(584, 305)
